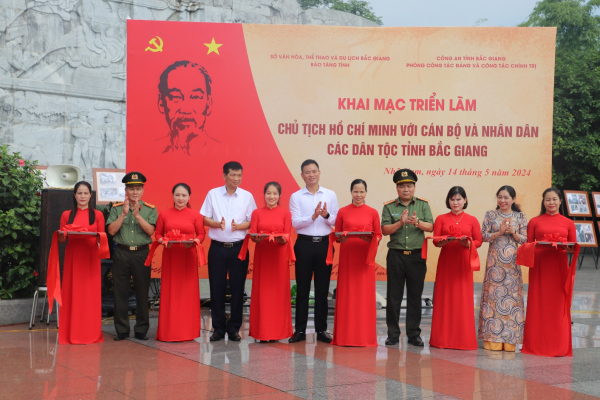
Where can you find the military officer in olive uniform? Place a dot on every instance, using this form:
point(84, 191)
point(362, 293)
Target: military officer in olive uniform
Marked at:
point(405, 219)
point(132, 224)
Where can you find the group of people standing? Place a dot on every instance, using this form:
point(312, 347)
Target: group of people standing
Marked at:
point(233, 219)
point(503, 323)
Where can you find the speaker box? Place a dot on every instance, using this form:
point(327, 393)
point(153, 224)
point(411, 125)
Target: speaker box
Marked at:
point(54, 203)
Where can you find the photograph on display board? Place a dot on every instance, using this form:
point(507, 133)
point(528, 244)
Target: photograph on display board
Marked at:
point(586, 235)
point(109, 187)
point(596, 197)
point(577, 203)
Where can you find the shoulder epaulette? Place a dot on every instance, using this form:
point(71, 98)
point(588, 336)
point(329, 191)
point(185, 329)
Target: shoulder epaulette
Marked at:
point(422, 199)
point(149, 205)
point(117, 204)
point(389, 202)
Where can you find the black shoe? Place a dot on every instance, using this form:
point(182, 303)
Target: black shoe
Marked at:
point(297, 337)
point(234, 336)
point(216, 336)
point(141, 336)
point(273, 341)
point(121, 336)
point(416, 341)
point(324, 337)
point(391, 341)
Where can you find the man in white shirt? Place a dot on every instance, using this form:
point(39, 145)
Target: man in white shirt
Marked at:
point(314, 210)
point(227, 211)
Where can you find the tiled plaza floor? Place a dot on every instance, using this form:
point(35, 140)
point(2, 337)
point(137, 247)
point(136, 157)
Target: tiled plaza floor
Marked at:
point(33, 365)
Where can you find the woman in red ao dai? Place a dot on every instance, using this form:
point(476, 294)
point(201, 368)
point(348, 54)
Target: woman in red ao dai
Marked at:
point(453, 322)
point(81, 311)
point(270, 304)
point(355, 294)
point(547, 329)
point(179, 315)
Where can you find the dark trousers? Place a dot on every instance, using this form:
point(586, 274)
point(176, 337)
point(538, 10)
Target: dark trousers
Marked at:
point(409, 269)
point(220, 261)
point(126, 264)
point(310, 259)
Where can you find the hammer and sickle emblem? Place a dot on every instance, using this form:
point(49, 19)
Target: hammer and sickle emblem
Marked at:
point(156, 47)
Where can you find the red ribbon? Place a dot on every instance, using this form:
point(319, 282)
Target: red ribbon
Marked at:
point(526, 258)
point(271, 235)
point(332, 238)
point(526, 252)
point(526, 255)
point(455, 232)
point(570, 282)
point(372, 246)
point(53, 277)
point(175, 235)
point(555, 239)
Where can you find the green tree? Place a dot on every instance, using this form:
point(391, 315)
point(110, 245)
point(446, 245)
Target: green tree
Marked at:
point(20, 202)
point(576, 141)
point(578, 28)
point(356, 7)
point(306, 4)
point(576, 130)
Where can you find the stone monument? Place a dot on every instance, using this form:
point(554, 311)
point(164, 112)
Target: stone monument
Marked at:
point(63, 63)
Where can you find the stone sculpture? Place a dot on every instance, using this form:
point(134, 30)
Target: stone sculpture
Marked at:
point(62, 68)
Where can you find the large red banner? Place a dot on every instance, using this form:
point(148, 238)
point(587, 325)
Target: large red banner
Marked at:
point(460, 106)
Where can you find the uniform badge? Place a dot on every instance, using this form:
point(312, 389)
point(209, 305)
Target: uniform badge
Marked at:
point(134, 176)
point(404, 174)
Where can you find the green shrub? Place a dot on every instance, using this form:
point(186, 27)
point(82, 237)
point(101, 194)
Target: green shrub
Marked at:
point(20, 203)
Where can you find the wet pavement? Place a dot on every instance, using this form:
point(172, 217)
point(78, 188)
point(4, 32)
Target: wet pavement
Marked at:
point(33, 365)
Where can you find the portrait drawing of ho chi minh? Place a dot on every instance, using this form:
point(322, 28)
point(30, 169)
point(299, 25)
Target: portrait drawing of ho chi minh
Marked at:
point(185, 100)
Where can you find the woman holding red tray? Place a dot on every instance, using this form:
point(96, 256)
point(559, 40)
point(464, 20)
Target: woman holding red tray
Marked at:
point(355, 294)
point(270, 304)
point(453, 322)
point(81, 311)
point(179, 314)
point(547, 324)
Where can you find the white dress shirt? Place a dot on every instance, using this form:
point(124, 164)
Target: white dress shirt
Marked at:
point(302, 207)
point(238, 207)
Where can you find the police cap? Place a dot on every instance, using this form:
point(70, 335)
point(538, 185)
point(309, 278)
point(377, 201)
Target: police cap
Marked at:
point(134, 178)
point(405, 175)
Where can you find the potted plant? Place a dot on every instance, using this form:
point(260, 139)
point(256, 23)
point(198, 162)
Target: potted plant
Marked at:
point(20, 204)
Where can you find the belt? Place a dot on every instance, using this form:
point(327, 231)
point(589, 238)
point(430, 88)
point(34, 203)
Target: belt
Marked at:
point(408, 252)
point(133, 248)
point(227, 244)
point(314, 239)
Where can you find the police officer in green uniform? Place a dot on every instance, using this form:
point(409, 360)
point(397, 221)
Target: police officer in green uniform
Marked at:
point(132, 224)
point(405, 219)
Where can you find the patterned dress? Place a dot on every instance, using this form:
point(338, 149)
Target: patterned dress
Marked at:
point(501, 314)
